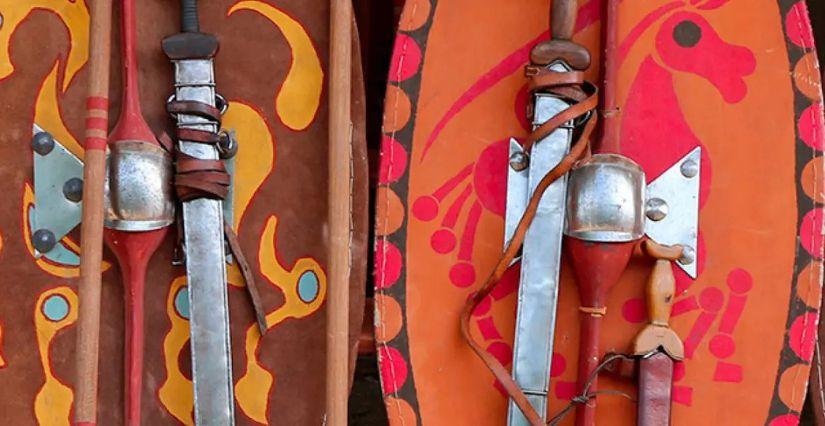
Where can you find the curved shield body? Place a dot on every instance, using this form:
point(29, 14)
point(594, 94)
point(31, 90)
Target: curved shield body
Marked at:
point(271, 69)
point(691, 75)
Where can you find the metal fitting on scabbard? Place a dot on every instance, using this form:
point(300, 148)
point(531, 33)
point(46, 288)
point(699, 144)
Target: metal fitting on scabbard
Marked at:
point(605, 200)
point(138, 187)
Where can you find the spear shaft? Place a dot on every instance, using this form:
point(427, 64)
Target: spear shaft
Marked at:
point(340, 155)
point(91, 233)
point(139, 209)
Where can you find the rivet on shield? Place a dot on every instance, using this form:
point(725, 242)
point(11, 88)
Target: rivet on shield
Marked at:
point(43, 240)
point(43, 143)
point(519, 161)
point(656, 209)
point(690, 169)
point(688, 255)
point(73, 190)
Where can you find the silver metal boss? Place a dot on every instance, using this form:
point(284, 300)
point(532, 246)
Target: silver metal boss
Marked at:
point(138, 187)
point(605, 200)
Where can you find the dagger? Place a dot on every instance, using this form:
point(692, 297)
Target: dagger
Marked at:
point(657, 346)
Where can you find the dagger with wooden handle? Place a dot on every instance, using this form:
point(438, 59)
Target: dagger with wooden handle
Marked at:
point(657, 345)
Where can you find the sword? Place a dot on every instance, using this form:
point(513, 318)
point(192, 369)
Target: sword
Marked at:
point(541, 253)
point(198, 121)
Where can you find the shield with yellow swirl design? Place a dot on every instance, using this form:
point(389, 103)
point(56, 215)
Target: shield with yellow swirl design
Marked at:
point(272, 69)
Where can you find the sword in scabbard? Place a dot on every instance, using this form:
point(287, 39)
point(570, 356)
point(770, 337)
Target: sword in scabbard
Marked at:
point(541, 252)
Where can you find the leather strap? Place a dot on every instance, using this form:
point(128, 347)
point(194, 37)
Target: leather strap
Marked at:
point(197, 178)
point(655, 385)
point(199, 109)
point(248, 277)
point(199, 136)
point(548, 82)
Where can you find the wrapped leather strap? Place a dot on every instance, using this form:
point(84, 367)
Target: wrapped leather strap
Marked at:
point(199, 136)
point(587, 93)
point(198, 178)
point(199, 109)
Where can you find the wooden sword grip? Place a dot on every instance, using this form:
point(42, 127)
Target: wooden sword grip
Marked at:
point(563, 19)
point(559, 47)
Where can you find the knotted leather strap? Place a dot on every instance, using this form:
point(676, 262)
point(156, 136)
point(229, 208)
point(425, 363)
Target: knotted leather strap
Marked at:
point(197, 178)
point(572, 86)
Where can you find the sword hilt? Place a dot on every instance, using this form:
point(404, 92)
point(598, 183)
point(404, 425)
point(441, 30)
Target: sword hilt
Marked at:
point(559, 47)
point(189, 16)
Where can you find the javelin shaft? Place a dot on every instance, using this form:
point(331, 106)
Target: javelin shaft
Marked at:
point(340, 154)
point(97, 124)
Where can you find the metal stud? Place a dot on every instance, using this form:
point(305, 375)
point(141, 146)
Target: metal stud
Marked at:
point(73, 190)
point(519, 161)
point(690, 169)
point(688, 255)
point(43, 143)
point(43, 240)
point(656, 209)
point(227, 145)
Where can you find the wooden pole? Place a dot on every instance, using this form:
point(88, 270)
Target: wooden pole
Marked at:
point(133, 249)
point(91, 230)
point(611, 121)
point(340, 191)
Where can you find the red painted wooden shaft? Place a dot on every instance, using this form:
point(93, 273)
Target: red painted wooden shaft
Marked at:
point(131, 124)
point(133, 249)
point(589, 355)
point(597, 268)
point(612, 118)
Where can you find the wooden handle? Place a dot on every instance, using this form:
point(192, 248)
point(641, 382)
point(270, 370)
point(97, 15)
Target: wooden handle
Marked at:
point(660, 291)
point(340, 191)
point(661, 287)
point(91, 232)
point(563, 19)
point(559, 47)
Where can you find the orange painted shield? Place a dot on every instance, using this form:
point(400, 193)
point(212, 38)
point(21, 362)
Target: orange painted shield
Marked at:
point(738, 78)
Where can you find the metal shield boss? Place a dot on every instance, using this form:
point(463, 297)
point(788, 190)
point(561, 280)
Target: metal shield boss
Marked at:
point(138, 194)
point(605, 200)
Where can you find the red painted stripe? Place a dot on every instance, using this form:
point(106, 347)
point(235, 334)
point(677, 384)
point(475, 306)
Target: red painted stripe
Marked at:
point(94, 143)
point(97, 123)
point(97, 102)
point(85, 424)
